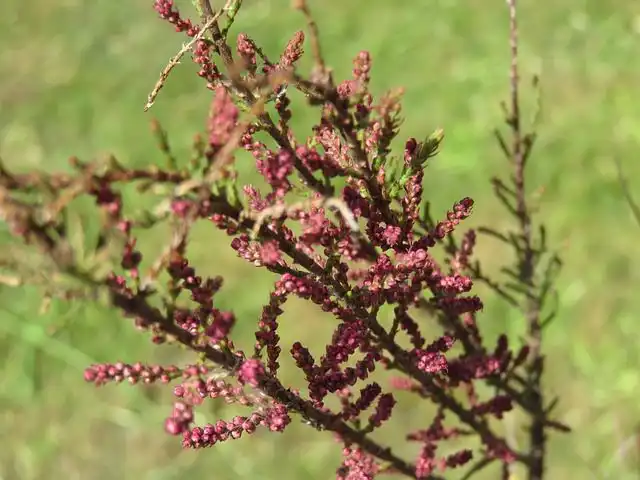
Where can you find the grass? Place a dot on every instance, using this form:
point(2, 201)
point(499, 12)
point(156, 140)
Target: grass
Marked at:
point(73, 79)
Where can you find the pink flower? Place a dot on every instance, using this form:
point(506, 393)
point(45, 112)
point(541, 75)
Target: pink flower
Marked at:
point(251, 371)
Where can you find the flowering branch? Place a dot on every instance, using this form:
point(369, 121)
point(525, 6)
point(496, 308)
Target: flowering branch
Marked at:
point(377, 251)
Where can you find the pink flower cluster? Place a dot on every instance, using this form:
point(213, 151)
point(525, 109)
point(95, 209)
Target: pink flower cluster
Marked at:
point(357, 246)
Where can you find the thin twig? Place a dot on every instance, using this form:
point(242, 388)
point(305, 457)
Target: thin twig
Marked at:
point(279, 211)
point(520, 147)
point(176, 60)
point(624, 185)
point(315, 35)
point(219, 40)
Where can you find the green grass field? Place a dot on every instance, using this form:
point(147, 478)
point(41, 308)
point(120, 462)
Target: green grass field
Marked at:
point(74, 76)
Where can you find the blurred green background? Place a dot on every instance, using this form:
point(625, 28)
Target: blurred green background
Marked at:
point(74, 76)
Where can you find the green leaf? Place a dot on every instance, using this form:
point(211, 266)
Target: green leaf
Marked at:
point(428, 148)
